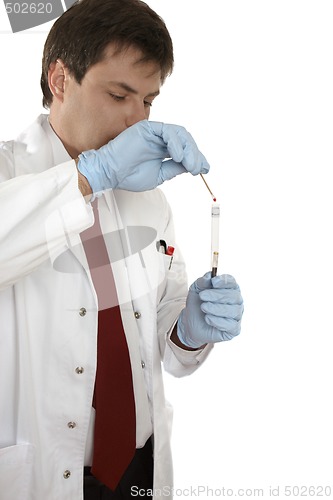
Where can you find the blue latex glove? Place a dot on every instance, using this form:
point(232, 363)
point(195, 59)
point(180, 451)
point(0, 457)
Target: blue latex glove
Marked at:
point(213, 311)
point(134, 159)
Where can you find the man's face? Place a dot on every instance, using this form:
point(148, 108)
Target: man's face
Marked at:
point(113, 95)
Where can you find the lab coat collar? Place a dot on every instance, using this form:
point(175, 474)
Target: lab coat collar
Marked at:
point(60, 155)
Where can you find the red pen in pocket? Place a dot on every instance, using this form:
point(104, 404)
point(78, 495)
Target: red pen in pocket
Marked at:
point(169, 251)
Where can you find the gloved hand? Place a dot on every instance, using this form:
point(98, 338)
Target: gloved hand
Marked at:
point(213, 311)
point(134, 159)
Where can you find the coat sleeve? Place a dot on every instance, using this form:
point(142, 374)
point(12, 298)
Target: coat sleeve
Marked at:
point(39, 212)
point(176, 361)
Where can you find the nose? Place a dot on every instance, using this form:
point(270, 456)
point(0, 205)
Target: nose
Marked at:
point(136, 114)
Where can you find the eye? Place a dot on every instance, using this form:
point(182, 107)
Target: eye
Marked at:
point(117, 97)
point(147, 104)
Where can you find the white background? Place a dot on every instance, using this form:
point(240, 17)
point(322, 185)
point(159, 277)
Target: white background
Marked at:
point(253, 83)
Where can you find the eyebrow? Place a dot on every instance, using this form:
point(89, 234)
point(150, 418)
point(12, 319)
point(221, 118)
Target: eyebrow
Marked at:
point(129, 89)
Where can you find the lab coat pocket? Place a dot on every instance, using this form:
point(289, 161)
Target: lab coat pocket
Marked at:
point(165, 262)
point(16, 464)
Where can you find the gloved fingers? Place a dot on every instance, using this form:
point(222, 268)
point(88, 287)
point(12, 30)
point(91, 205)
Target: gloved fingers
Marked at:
point(201, 283)
point(182, 147)
point(194, 161)
point(226, 326)
point(221, 296)
point(174, 137)
point(169, 134)
point(135, 181)
point(226, 311)
point(224, 281)
point(155, 128)
point(148, 144)
point(170, 169)
point(192, 158)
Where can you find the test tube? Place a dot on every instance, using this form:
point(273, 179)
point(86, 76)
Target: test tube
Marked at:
point(215, 237)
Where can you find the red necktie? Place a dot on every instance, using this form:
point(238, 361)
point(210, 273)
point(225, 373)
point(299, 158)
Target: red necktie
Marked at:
point(115, 430)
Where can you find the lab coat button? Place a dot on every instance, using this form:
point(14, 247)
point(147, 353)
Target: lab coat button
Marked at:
point(137, 315)
point(71, 425)
point(67, 474)
point(143, 364)
point(79, 370)
point(83, 311)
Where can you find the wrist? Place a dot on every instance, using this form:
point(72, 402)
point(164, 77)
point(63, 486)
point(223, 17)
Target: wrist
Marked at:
point(176, 340)
point(83, 183)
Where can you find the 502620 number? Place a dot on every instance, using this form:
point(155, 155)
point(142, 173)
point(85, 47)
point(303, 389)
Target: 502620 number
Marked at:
point(308, 491)
point(28, 8)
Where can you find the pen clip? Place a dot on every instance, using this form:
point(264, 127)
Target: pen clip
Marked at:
point(161, 246)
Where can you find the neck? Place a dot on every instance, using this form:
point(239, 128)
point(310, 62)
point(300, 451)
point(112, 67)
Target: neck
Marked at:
point(60, 132)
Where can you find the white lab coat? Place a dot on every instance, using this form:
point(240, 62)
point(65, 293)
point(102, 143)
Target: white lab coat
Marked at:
point(48, 319)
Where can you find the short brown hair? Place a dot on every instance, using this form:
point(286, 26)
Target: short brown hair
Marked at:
point(80, 36)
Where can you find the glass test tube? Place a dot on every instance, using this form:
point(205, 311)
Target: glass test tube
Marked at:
point(215, 237)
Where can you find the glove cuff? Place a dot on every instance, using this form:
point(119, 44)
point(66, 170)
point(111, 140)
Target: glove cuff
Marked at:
point(183, 334)
point(90, 165)
point(85, 166)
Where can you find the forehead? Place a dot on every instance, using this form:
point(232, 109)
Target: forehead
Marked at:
point(127, 61)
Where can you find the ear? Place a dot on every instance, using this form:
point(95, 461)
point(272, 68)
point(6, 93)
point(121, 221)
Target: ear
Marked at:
point(56, 78)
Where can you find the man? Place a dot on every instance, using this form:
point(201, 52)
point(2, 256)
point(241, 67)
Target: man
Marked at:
point(93, 164)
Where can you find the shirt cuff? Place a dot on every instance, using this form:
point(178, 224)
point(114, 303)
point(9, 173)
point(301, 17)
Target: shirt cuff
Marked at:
point(188, 357)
